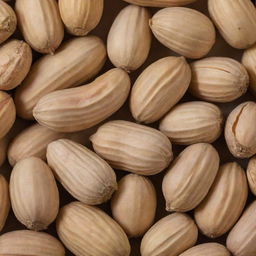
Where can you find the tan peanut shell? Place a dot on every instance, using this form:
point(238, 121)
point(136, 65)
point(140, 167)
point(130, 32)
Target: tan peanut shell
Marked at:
point(218, 79)
point(84, 175)
point(160, 3)
point(30, 243)
point(132, 23)
point(32, 141)
point(87, 230)
point(134, 204)
point(3, 149)
point(44, 31)
point(15, 62)
point(170, 236)
point(235, 20)
point(224, 203)
point(7, 113)
point(251, 174)
point(76, 61)
point(240, 130)
point(248, 60)
point(4, 201)
point(158, 88)
point(169, 25)
point(81, 16)
point(79, 108)
point(34, 193)
point(213, 249)
point(132, 147)
point(241, 240)
point(190, 177)
point(193, 122)
point(8, 21)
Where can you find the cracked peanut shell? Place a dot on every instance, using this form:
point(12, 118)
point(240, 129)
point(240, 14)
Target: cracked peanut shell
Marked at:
point(132, 147)
point(190, 177)
point(15, 62)
point(240, 130)
point(8, 21)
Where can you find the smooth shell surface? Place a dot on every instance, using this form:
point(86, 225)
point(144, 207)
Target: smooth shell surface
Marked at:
point(235, 20)
point(218, 79)
point(240, 130)
point(81, 16)
point(134, 204)
point(79, 108)
point(224, 203)
point(84, 175)
point(241, 240)
point(133, 23)
point(44, 31)
point(169, 25)
point(190, 177)
point(34, 193)
point(30, 243)
point(132, 147)
point(76, 61)
point(87, 230)
point(193, 122)
point(158, 88)
point(170, 236)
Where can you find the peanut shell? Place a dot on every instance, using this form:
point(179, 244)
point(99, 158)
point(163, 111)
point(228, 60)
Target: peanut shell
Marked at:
point(132, 147)
point(190, 177)
point(87, 230)
point(134, 204)
point(133, 23)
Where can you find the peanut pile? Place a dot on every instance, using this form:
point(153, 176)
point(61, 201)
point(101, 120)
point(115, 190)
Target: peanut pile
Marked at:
point(127, 128)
